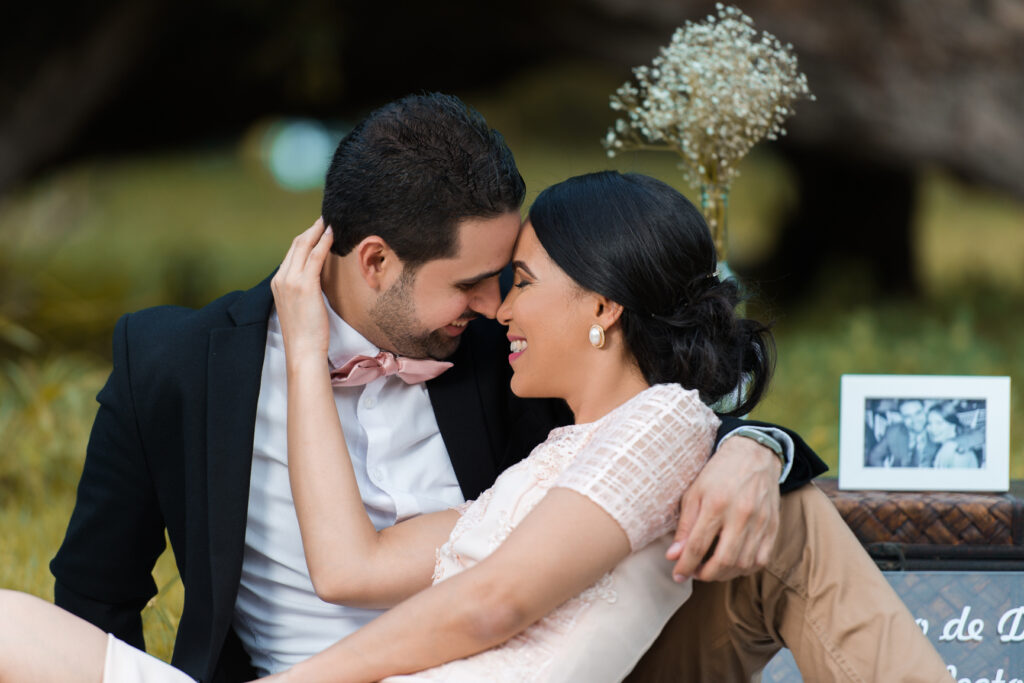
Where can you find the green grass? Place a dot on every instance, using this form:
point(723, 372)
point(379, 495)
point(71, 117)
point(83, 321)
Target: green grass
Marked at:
point(90, 242)
point(46, 410)
point(948, 336)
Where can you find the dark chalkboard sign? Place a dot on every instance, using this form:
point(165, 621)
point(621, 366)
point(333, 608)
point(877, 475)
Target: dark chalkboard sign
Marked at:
point(974, 619)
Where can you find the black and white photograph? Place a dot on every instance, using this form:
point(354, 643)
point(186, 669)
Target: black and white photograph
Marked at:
point(924, 432)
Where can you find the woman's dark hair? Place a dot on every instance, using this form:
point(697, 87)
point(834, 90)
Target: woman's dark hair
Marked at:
point(411, 171)
point(947, 410)
point(643, 245)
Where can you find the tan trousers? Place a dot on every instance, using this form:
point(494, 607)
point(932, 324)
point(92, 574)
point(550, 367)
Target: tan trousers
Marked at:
point(821, 596)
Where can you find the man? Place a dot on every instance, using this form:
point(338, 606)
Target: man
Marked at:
point(190, 434)
point(904, 442)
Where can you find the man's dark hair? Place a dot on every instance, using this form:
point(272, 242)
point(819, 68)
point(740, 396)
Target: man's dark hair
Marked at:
point(411, 171)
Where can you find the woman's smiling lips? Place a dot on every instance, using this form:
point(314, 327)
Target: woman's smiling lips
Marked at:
point(516, 345)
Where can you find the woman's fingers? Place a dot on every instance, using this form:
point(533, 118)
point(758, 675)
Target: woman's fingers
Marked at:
point(297, 294)
point(318, 255)
point(297, 257)
point(291, 256)
point(305, 243)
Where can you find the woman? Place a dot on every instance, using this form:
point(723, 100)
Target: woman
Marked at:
point(956, 443)
point(553, 573)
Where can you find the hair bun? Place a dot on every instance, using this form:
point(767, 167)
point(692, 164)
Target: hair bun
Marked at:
point(696, 291)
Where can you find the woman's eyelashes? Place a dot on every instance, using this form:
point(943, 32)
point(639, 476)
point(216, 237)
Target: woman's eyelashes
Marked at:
point(521, 279)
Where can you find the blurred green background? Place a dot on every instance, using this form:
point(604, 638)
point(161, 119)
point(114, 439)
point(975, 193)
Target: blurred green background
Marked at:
point(87, 239)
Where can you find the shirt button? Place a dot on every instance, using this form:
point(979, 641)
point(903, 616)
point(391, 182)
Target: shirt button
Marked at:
point(377, 473)
point(370, 402)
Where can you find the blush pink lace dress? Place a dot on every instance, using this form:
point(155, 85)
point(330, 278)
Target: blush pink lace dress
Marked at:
point(634, 462)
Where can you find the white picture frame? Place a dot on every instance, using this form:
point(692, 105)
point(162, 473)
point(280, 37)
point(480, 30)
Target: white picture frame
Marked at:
point(964, 444)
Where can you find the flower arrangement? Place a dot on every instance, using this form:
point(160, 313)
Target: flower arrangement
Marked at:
point(714, 92)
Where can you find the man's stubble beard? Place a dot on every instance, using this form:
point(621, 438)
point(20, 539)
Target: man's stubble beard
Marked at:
point(395, 316)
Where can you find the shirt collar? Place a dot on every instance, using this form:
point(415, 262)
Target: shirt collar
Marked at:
point(345, 342)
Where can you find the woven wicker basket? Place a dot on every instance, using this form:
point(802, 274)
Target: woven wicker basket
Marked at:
point(934, 529)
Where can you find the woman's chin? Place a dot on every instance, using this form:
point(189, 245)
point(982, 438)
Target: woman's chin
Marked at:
point(516, 386)
point(522, 388)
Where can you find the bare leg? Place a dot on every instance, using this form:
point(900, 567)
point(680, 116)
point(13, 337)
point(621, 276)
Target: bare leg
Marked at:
point(41, 642)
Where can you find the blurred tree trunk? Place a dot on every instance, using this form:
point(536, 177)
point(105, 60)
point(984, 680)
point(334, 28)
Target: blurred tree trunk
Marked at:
point(58, 79)
point(850, 211)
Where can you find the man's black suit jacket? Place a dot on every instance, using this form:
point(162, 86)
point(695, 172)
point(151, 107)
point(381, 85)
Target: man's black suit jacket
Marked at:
point(171, 448)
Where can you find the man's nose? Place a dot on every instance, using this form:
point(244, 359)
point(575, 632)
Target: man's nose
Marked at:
point(487, 298)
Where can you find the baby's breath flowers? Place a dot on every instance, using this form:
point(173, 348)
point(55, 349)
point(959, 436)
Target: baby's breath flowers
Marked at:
point(711, 95)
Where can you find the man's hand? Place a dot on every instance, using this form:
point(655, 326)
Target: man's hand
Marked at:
point(733, 505)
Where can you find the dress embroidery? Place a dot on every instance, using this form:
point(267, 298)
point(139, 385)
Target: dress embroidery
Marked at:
point(502, 528)
point(634, 463)
point(548, 460)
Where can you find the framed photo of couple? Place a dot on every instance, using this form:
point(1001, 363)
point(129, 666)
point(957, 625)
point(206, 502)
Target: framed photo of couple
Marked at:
point(924, 433)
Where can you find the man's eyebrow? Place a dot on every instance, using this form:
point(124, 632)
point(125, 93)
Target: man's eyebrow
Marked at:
point(481, 277)
point(523, 267)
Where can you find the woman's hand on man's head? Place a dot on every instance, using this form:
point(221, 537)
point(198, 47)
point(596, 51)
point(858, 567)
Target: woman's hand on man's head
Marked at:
point(298, 296)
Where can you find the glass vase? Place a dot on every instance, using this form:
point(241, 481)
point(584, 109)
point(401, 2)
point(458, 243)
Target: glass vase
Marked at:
point(714, 204)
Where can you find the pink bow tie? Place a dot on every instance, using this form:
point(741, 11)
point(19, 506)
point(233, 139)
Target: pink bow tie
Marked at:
point(364, 369)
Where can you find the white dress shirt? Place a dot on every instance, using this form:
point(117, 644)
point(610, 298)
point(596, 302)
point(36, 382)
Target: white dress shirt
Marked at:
point(402, 469)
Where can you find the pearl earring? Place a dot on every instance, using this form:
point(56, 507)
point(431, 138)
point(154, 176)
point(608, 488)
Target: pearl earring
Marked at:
point(596, 336)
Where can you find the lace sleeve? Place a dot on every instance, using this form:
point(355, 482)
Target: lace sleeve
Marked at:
point(642, 458)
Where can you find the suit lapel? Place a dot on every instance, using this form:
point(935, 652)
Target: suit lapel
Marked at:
point(234, 368)
point(458, 408)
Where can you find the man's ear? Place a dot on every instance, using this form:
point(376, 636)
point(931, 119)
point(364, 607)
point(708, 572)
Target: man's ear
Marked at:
point(378, 264)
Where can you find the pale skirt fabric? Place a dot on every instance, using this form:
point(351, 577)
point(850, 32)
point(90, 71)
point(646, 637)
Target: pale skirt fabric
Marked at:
point(126, 664)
